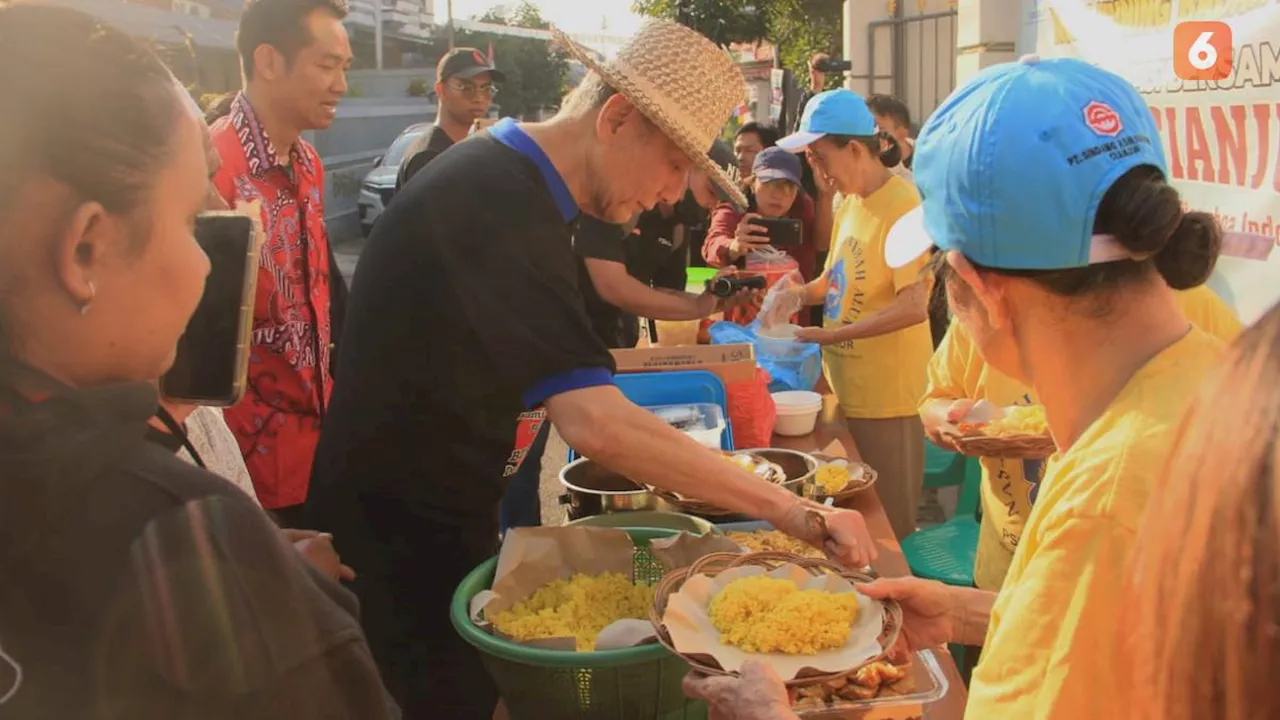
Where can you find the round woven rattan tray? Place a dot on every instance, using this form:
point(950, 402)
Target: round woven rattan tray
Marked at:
point(855, 486)
point(716, 563)
point(1016, 447)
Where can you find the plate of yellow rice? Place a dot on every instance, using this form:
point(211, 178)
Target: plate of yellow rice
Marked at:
point(799, 623)
point(578, 608)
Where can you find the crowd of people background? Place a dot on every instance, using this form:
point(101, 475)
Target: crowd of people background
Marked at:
point(294, 555)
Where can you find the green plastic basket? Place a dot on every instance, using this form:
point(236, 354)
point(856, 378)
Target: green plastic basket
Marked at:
point(637, 683)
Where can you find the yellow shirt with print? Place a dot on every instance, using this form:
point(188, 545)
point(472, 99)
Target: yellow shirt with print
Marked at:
point(884, 376)
point(1050, 647)
point(1207, 311)
point(957, 370)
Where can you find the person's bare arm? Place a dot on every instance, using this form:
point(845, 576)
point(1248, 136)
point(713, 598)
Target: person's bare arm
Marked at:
point(910, 307)
point(974, 614)
point(815, 291)
point(618, 288)
point(600, 423)
point(603, 425)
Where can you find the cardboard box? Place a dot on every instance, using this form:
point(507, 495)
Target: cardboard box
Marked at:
point(683, 357)
point(732, 363)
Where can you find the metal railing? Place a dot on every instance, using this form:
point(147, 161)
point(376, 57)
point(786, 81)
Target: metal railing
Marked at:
point(922, 60)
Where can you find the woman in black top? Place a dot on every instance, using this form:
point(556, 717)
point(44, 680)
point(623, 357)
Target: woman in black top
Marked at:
point(134, 585)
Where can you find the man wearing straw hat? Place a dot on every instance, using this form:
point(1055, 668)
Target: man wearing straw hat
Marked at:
point(466, 331)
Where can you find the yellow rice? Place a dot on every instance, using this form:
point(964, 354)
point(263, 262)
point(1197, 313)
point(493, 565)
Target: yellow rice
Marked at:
point(832, 478)
point(579, 607)
point(762, 614)
point(774, 541)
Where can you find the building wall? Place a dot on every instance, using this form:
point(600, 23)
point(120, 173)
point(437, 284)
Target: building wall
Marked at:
point(926, 62)
point(362, 131)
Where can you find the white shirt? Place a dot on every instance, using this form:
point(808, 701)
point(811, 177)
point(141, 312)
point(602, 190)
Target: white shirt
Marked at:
point(210, 436)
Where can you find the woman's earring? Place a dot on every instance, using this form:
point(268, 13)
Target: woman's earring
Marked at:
point(84, 306)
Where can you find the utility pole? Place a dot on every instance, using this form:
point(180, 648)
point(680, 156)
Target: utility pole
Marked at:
point(448, 9)
point(377, 32)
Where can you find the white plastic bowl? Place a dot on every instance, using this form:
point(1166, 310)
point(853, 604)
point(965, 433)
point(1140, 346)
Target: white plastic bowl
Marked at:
point(797, 412)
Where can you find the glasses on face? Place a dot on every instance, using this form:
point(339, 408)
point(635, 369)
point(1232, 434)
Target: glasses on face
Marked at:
point(471, 89)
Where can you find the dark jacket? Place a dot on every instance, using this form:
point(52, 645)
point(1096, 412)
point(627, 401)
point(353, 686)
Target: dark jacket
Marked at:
point(138, 586)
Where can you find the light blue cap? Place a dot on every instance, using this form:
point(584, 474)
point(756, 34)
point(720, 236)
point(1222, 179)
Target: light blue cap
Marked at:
point(1012, 166)
point(832, 112)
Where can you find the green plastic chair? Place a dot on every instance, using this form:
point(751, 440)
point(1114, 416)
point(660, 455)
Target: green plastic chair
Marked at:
point(942, 468)
point(946, 552)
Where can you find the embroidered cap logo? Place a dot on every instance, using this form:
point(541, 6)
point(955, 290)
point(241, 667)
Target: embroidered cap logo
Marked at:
point(1102, 119)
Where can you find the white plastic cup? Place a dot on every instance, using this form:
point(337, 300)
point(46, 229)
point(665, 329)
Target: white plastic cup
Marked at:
point(797, 412)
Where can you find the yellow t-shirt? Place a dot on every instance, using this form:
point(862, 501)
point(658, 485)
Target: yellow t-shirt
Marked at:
point(878, 377)
point(1207, 311)
point(1050, 647)
point(958, 371)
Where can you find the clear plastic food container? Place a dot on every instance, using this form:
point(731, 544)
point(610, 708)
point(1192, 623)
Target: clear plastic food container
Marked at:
point(703, 422)
point(930, 686)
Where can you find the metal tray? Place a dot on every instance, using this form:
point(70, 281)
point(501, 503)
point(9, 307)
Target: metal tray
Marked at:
point(931, 686)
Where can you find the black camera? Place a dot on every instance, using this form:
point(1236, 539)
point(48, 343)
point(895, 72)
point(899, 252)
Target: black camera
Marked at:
point(831, 66)
point(729, 286)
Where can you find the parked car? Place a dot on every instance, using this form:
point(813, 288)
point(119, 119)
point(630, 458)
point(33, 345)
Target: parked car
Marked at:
point(380, 184)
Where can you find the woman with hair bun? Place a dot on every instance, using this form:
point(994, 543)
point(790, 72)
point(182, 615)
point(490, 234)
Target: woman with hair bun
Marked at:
point(1061, 245)
point(135, 585)
point(875, 330)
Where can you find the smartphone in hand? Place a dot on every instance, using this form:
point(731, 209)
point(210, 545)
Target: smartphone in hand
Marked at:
point(782, 232)
point(212, 361)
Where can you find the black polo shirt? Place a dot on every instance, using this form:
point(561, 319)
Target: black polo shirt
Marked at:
point(466, 316)
point(651, 254)
point(138, 586)
point(425, 149)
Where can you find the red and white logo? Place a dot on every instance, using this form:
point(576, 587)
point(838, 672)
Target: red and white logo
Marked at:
point(1102, 119)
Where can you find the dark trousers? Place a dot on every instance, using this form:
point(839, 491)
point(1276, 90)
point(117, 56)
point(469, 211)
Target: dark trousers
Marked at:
point(521, 504)
point(405, 588)
point(292, 517)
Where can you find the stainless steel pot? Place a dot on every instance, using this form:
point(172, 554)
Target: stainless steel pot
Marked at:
point(799, 467)
point(591, 489)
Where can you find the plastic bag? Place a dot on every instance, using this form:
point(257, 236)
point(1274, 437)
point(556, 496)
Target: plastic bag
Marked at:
point(751, 411)
point(784, 299)
point(798, 368)
point(769, 263)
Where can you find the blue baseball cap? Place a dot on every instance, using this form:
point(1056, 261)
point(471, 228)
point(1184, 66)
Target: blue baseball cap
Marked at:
point(832, 112)
point(1012, 166)
point(774, 163)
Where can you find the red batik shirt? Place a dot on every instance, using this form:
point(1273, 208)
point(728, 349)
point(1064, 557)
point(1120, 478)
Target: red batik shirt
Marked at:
point(278, 422)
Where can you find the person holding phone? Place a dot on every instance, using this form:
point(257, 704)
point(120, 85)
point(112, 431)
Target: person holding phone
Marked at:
point(737, 239)
point(99, 276)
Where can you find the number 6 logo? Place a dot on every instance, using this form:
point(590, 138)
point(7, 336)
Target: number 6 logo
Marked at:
point(1202, 50)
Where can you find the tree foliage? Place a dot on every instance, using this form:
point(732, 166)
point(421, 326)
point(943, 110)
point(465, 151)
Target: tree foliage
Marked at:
point(535, 73)
point(798, 28)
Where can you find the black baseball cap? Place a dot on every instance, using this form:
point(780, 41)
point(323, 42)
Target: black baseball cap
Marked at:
point(722, 155)
point(465, 63)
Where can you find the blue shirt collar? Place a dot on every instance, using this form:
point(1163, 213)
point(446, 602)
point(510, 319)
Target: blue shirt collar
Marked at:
point(507, 132)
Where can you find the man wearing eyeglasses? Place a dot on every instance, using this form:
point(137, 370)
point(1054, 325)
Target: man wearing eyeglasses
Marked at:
point(464, 91)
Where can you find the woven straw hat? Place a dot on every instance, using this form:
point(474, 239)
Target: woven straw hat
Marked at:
point(681, 81)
